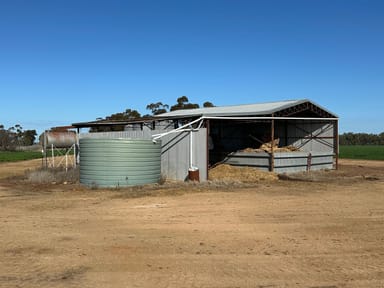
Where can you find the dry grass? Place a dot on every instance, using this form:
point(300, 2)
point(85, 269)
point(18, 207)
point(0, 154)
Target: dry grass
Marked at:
point(178, 188)
point(241, 174)
point(52, 175)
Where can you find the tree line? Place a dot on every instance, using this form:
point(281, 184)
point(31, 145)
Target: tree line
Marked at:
point(16, 136)
point(361, 139)
point(157, 108)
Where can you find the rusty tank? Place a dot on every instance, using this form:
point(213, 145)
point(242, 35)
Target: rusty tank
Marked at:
point(59, 139)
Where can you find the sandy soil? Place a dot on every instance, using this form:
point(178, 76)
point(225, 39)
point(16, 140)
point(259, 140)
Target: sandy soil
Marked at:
point(322, 230)
point(10, 169)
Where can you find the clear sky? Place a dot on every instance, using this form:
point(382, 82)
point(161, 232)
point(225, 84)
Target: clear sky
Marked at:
point(71, 61)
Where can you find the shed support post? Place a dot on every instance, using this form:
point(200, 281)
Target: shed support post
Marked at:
point(336, 142)
point(272, 162)
point(207, 125)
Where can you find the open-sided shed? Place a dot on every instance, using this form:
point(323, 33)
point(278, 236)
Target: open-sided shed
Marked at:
point(203, 137)
point(236, 132)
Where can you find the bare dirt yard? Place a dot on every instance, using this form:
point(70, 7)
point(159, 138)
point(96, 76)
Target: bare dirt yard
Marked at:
point(316, 230)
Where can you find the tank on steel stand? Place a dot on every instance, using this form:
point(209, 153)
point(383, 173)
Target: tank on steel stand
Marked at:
point(60, 148)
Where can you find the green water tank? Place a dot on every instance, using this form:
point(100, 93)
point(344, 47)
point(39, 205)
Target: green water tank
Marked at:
point(119, 162)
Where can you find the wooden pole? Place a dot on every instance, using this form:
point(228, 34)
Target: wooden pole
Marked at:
point(207, 126)
point(336, 143)
point(272, 167)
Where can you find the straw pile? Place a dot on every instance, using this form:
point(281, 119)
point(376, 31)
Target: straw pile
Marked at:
point(241, 174)
point(267, 147)
point(269, 150)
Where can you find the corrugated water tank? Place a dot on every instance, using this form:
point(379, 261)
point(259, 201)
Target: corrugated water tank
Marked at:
point(119, 162)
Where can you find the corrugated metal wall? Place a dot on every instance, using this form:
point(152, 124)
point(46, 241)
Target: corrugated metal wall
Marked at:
point(307, 135)
point(174, 152)
point(284, 162)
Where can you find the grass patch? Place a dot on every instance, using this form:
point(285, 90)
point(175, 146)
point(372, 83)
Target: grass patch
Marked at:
point(363, 152)
point(13, 156)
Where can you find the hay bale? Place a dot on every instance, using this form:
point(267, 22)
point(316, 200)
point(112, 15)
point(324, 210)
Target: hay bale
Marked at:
point(248, 150)
point(242, 174)
point(267, 147)
point(287, 149)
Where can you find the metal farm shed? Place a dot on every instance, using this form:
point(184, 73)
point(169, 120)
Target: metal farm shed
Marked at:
point(231, 134)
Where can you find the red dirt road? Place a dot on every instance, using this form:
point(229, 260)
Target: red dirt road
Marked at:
point(323, 233)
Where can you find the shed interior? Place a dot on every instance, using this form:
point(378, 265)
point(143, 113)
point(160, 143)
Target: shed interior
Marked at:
point(229, 136)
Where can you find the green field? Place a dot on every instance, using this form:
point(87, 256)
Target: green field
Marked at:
point(11, 156)
point(364, 152)
point(367, 152)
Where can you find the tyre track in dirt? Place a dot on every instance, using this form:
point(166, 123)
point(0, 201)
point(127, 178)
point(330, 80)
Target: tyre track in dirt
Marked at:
point(285, 234)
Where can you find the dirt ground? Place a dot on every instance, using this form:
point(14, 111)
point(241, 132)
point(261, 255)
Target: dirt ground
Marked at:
point(317, 230)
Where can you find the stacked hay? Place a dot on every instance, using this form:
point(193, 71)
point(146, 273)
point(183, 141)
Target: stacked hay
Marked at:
point(267, 147)
point(241, 174)
point(268, 150)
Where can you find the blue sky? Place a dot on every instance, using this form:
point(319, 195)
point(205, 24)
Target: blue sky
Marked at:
point(71, 61)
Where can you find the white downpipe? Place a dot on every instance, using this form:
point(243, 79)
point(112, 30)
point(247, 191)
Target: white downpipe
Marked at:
point(173, 131)
point(200, 124)
point(180, 129)
point(191, 149)
point(183, 129)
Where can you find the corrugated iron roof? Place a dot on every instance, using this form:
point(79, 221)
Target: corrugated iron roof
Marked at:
point(257, 109)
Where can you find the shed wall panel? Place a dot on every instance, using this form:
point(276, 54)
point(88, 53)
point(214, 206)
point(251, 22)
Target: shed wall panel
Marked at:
point(311, 136)
point(285, 162)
